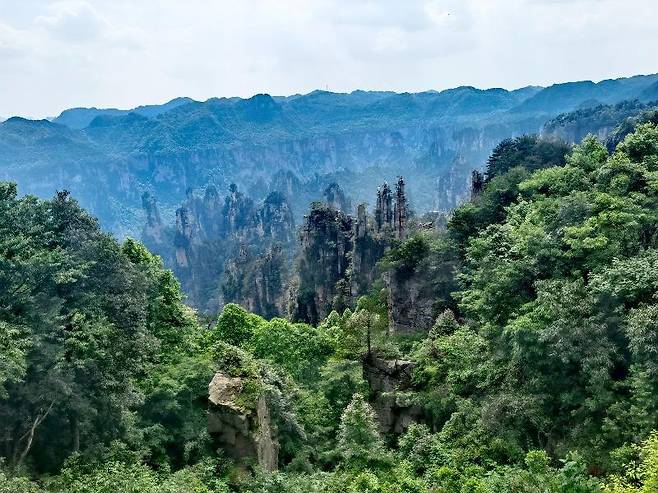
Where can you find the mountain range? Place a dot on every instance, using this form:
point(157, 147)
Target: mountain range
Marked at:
point(296, 145)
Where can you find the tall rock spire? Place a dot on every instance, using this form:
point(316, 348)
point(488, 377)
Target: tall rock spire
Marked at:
point(400, 212)
point(153, 232)
point(384, 209)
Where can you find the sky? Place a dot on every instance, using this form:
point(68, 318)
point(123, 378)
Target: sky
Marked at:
point(59, 54)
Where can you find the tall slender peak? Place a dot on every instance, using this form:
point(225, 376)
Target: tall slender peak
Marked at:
point(211, 194)
point(239, 211)
point(153, 231)
point(183, 236)
point(384, 209)
point(378, 210)
point(361, 221)
point(400, 212)
point(275, 218)
point(150, 206)
point(184, 223)
point(336, 199)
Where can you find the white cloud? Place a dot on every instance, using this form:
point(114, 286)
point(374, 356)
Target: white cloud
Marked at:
point(75, 21)
point(63, 53)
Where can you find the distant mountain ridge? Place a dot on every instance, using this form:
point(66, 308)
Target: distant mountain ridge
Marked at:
point(109, 157)
point(79, 118)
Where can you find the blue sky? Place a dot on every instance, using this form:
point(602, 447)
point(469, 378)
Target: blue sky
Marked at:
point(122, 53)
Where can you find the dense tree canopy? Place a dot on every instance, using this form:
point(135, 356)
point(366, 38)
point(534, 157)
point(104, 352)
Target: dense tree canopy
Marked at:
point(84, 323)
point(538, 375)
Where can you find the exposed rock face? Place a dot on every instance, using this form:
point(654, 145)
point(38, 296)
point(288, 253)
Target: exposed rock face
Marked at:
point(384, 209)
point(369, 247)
point(286, 182)
point(207, 245)
point(400, 210)
point(239, 212)
point(258, 281)
point(338, 254)
point(185, 234)
point(410, 303)
point(248, 141)
point(153, 232)
point(336, 199)
point(246, 435)
point(389, 382)
point(326, 243)
point(275, 219)
point(597, 119)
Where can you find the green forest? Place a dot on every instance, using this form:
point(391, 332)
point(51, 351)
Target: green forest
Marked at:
point(540, 373)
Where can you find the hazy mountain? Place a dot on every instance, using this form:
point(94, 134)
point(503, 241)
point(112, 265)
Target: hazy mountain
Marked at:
point(600, 120)
point(296, 144)
point(568, 96)
point(81, 117)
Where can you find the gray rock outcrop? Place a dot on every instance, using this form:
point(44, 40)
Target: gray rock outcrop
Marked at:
point(390, 382)
point(245, 434)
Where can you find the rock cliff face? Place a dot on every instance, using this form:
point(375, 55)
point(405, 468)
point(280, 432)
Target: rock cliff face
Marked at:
point(369, 247)
point(326, 244)
point(227, 250)
point(336, 199)
point(390, 385)
point(400, 211)
point(245, 435)
point(154, 231)
point(338, 253)
point(275, 219)
point(410, 302)
point(597, 119)
point(258, 282)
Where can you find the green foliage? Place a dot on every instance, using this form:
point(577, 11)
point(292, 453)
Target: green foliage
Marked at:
point(116, 476)
point(17, 484)
point(640, 475)
point(235, 325)
point(527, 151)
point(83, 320)
point(13, 347)
point(409, 254)
point(511, 162)
point(359, 442)
point(584, 233)
point(539, 374)
point(297, 348)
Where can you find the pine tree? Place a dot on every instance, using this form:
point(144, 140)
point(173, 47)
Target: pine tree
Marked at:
point(359, 443)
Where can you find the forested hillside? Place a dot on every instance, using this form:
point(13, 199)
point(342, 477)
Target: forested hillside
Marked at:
point(536, 371)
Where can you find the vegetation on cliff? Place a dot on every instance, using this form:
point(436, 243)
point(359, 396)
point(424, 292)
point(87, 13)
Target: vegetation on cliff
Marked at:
point(536, 372)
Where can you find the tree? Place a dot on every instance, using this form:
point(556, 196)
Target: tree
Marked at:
point(527, 151)
point(235, 325)
point(359, 442)
point(298, 348)
point(82, 320)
